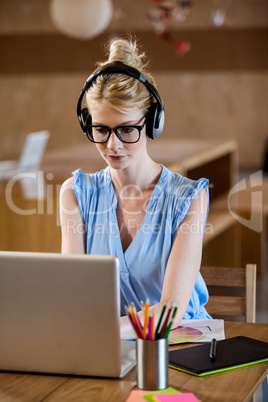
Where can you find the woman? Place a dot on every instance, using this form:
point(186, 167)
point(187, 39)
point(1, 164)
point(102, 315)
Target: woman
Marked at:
point(150, 218)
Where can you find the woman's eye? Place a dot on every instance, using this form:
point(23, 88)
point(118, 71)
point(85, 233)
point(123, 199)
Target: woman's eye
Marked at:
point(126, 130)
point(101, 130)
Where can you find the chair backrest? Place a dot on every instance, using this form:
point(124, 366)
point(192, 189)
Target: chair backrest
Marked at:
point(224, 284)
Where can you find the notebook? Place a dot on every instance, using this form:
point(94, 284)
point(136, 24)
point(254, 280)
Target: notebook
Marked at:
point(230, 354)
point(31, 156)
point(60, 314)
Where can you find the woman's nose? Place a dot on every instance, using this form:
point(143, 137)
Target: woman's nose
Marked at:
point(113, 142)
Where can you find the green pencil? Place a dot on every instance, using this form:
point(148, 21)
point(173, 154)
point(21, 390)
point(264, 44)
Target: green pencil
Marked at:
point(167, 330)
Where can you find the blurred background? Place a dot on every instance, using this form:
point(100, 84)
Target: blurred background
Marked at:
point(210, 60)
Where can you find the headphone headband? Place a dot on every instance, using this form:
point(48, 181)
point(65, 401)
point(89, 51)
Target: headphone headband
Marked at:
point(155, 114)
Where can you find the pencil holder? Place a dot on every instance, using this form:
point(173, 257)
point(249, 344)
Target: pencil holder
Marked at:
point(152, 364)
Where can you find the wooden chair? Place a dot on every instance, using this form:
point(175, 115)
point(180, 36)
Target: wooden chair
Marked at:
point(231, 281)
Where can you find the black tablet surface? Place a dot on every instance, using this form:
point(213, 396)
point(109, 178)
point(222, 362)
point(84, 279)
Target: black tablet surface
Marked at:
point(230, 353)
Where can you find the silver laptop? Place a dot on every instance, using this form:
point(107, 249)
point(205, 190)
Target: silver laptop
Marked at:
point(60, 314)
point(31, 156)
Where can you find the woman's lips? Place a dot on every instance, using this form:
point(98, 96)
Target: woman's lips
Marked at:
point(116, 157)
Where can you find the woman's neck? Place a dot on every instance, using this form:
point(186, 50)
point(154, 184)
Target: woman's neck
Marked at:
point(132, 181)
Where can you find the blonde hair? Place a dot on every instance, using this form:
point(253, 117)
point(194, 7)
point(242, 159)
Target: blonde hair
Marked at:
point(119, 91)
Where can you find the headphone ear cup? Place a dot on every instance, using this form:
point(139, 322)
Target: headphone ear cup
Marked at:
point(150, 119)
point(84, 118)
point(159, 123)
point(154, 121)
point(87, 117)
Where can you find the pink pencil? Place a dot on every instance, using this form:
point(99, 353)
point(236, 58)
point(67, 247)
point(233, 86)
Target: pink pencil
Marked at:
point(149, 335)
point(139, 328)
point(132, 320)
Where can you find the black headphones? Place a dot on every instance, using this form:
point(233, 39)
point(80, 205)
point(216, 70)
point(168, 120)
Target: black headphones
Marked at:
point(155, 116)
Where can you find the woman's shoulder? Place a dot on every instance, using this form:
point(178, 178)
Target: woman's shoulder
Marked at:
point(179, 185)
point(68, 182)
point(67, 197)
point(89, 180)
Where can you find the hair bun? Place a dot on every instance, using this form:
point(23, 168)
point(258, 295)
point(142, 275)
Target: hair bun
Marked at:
point(122, 92)
point(127, 52)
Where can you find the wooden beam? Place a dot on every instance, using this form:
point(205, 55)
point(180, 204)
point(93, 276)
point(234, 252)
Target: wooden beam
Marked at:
point(212, 49)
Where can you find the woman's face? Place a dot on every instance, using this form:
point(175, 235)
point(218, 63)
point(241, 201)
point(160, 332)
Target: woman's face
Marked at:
point(117, 154)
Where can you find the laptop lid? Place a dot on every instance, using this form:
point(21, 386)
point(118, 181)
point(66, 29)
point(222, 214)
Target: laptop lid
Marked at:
point(60, 314)
point(31, 155)
point(33, 149)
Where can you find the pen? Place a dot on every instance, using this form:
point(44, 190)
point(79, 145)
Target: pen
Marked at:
point(213, 349)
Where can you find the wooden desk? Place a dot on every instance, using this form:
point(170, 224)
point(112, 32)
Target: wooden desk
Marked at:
point(236, 385)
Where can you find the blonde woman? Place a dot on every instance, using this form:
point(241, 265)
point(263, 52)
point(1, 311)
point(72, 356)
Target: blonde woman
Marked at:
point(137, 210)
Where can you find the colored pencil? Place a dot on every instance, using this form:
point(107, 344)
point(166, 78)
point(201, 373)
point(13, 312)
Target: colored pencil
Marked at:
point(137, 321)
point(164, 326)
point(167, 330)
point(137, 318)
point(146, 312)
point(159, 321)
point(165, 335)
point(153, 327)
point(148, 330)
point(132, 321)
point(149, 335)
point(174, 312)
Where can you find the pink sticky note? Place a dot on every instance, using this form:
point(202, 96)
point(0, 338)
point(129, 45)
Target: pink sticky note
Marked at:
point(184, 397)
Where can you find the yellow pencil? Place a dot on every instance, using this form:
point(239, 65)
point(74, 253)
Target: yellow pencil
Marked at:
point(146, 313)
point(153, 328)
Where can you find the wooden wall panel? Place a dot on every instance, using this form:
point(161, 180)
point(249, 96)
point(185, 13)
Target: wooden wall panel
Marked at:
point(212, 50)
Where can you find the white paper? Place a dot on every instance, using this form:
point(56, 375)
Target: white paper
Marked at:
point(206, 330)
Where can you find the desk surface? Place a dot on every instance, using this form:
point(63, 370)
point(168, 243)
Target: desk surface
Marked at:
point(236, 385)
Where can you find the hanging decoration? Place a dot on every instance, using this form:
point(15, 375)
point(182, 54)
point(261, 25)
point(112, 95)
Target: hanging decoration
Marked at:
point(81, 19)
point(218, 13)
point(163, 14)
point(182, 47)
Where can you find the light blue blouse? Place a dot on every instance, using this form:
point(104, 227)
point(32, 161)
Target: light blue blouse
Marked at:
point(143, 264)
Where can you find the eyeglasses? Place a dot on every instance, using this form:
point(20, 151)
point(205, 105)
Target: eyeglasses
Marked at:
point(101, 134)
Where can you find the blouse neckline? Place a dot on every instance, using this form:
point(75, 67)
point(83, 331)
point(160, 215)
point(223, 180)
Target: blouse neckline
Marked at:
point(114, 201)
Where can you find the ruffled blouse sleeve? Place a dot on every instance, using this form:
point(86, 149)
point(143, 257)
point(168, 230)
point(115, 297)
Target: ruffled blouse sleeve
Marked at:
point(81, 190)
point(185, 191)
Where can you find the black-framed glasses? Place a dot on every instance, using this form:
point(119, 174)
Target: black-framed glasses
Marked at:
point(101, 134)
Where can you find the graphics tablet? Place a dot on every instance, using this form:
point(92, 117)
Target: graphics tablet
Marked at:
point(231, 353)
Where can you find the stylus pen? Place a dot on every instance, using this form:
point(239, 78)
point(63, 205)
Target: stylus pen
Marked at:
point(213, 349)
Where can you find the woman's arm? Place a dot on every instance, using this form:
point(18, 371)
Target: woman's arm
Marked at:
point(183, 264)
point(185, 258)
point(72, 226)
